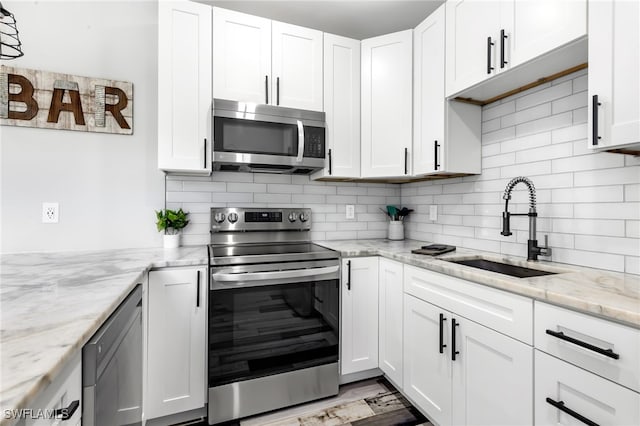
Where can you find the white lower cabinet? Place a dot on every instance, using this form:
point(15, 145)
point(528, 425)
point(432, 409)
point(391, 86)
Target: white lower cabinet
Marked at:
point(568, 395)
point(457, 370)
point(64, 393)
point(176, 341)
point(390, 319)
point(359, 319)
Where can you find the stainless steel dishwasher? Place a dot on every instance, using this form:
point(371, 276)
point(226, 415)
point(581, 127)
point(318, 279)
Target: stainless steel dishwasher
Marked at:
point(112, 368)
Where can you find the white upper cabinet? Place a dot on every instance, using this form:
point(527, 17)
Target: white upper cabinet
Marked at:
point(296, 66)
point(614, 74)
point(267, 62)
point(184, 87)
point(539, 26)
point(387, 76)
point(341, 106)
point(446, 134)
point(241, 56)
point(485, 38)
point(472, 29)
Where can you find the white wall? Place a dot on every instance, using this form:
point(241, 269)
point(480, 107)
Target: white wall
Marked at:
point(588, 204)
point(107, 185)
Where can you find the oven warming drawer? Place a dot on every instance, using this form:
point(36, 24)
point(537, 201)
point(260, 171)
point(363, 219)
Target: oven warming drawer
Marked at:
point(249, 397)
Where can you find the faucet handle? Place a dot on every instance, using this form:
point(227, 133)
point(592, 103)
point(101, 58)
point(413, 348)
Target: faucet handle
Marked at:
point(545, 250)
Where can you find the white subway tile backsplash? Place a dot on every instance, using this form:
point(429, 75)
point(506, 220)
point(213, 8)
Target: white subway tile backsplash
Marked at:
point(633, 231)
point(545, 124)
point(272, 198)
point(597, 259)
point(596, 194)
point(499, 135)
point(309, 198)
point(576, 101)
point(270, 178)
point(632, 265)
point(499, 160)
point(173, 185)
point(580, 84)
point(544, 96)
point(204, 186)
point(606, 227)
point(628, 210)
point(628, 246)
point(544, 153)
point(194, 197)
point(569, 134)
point(525, 142)
point(603, 160)
point(580, 115)
point(526, 169)
point(524, 115)
point(621, 175)
point(632, 192)
point(497, 110)
point(246, 187)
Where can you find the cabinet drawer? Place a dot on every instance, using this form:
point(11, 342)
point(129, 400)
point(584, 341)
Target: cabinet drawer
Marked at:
point(623, 341)
point(506, 313)
point(583, 393)
point(65, 389)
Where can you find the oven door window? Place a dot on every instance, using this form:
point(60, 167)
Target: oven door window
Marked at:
point(255, 137)
point(265, 330)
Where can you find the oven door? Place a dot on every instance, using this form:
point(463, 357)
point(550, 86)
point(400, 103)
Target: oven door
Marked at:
point(273, 336)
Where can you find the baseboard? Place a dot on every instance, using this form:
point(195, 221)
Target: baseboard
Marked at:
point(360, 375)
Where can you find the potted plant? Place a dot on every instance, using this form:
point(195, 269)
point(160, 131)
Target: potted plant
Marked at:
point(171, 222)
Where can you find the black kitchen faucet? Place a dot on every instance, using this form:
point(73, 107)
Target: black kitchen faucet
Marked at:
point(533, 250)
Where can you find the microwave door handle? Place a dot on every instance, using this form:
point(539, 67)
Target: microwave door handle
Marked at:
point(274, 275)
point(300, 141)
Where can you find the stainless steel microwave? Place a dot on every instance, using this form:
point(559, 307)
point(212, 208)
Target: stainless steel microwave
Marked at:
point(265, 138)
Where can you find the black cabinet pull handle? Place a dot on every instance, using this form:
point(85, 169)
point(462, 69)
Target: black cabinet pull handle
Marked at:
point(454, 352)
point(442, 345)
point(435, 155)
point(606, 352)
point(277, 90)
point(503, 36)
point(489, 44)
point(67, 413)
point(406, 161)
point(560, 406)
point(198, 289)
point(348, 275)
point(594, 119)
point(329, 160)
point(204, 162)
point(266, 89)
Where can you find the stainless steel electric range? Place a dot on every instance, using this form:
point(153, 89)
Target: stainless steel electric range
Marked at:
point(273, 312)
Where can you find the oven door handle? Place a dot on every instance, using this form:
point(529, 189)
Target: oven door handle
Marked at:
point(300, 141)
point(275, 275)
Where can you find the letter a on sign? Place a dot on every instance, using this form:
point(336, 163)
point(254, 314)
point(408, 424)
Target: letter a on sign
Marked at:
point(32, 98)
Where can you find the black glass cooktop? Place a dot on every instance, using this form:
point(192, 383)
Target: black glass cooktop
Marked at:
point(241, 253)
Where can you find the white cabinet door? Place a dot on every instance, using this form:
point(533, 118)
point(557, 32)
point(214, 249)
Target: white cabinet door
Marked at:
point(470, 57)
point(539, 26)
point(359, 320)
point(177, 317)
point(387, 75)
point(614, 74)
point(241, 56)
point(427, 365)
point(492, 381)
point(390, 319)
point(297, 66)
point(428, 99)
point(184, 87)
point(560, 385)
point(341, 106)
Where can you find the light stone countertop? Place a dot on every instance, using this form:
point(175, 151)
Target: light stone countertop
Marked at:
point(52, 303)
point(610, 295)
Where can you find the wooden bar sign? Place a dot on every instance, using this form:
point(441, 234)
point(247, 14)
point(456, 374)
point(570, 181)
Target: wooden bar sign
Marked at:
point(42, 99)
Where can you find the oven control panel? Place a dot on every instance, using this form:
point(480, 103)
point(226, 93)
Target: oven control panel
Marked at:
point(260, 219)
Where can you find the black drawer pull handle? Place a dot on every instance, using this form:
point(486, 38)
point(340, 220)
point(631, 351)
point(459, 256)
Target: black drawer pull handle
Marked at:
point(277, 90)
point(442, 345)
point(503, 36)
point(266, 89)
point(595, 138)
point(329, 161)
point(204, 165)
point(606, 352)
point(348, 275)
point(560, 406)
point(435, 155)
point(489, 44)
point(67, 413)
point(198, 290)
point(454, 352)
point(406, 161)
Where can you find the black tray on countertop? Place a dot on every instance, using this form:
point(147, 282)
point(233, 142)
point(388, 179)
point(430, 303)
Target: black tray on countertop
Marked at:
point(434, 249)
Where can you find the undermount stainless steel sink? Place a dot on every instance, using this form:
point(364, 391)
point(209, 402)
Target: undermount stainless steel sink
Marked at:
point(503, 268)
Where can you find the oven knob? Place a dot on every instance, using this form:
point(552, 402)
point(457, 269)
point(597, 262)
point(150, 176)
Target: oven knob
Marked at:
point(219, 217)
point(233, 217)
point(293, 216)
point(304, 217)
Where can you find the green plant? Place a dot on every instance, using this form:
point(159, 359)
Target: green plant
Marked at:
point(171, 221)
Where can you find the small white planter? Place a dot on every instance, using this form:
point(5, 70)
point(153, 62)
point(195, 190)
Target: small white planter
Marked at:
point(396, 230)
point(171, 241)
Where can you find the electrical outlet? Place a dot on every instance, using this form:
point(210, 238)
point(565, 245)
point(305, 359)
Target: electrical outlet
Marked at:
point(50, 212)
point(351, 211)
point(433, 212)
